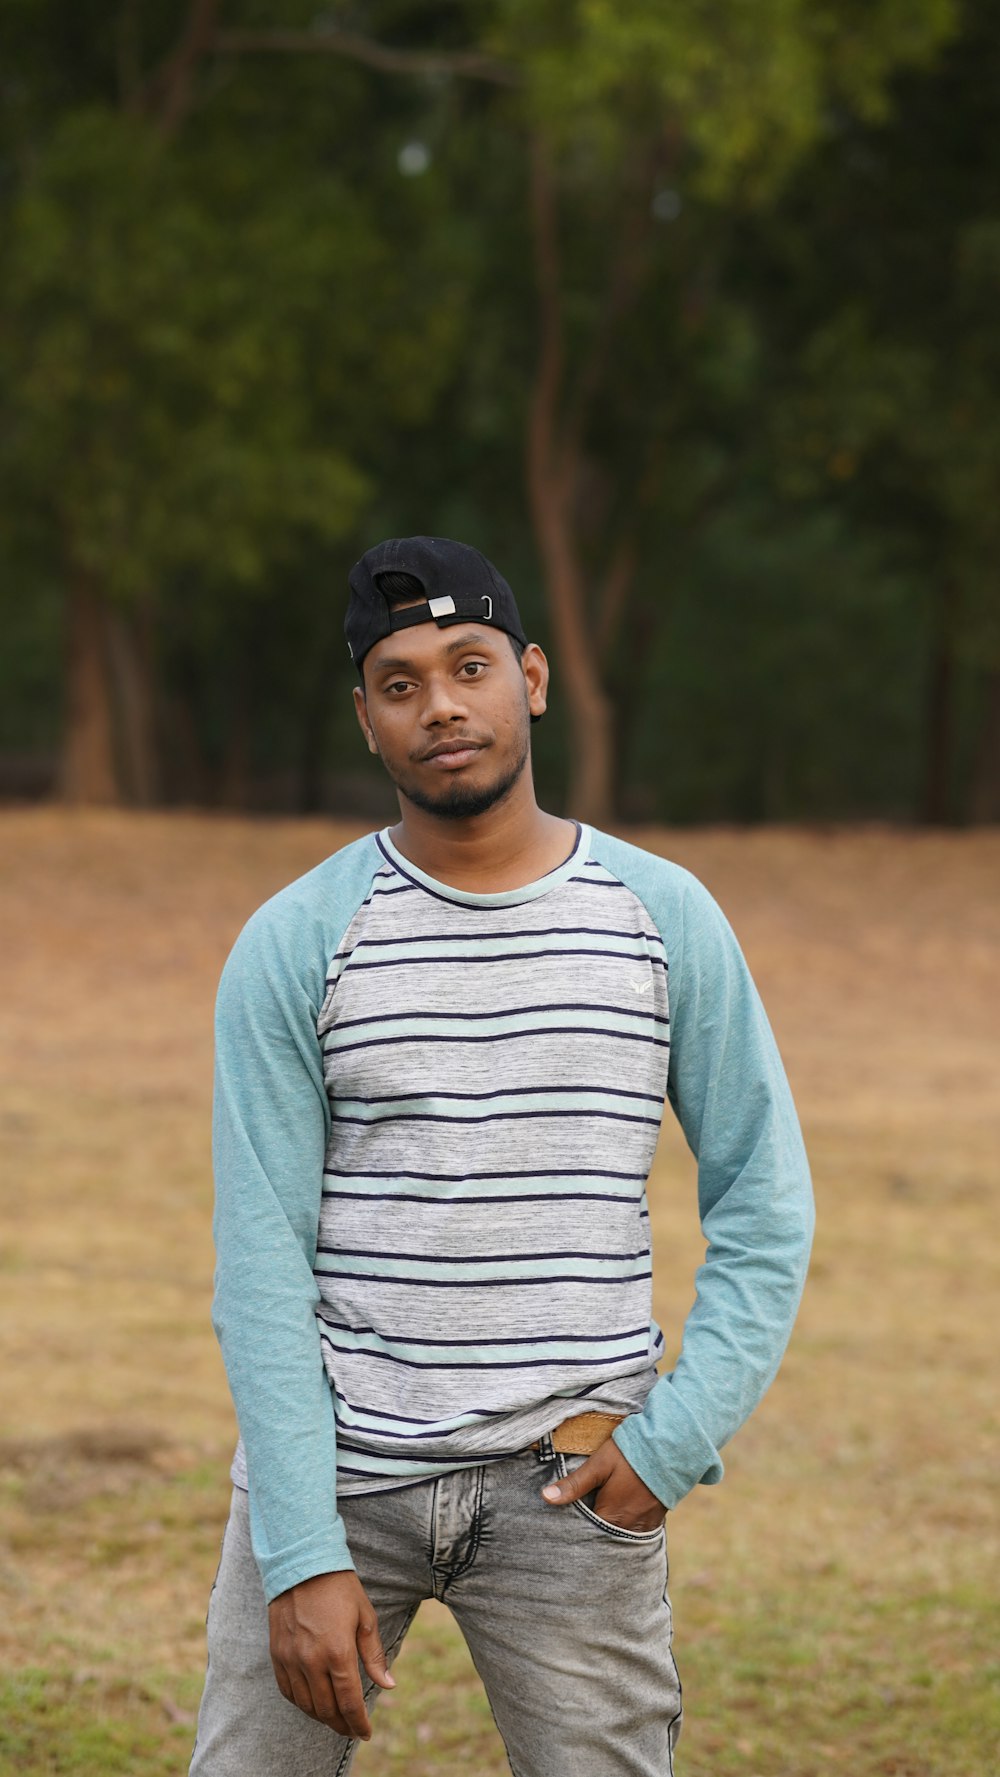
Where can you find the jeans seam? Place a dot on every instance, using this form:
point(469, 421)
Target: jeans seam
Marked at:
point(455, 1573)
point(372, 1687)
point(345, 1758)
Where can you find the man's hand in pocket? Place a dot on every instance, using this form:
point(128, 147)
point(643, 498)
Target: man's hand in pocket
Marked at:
point(622, 1498)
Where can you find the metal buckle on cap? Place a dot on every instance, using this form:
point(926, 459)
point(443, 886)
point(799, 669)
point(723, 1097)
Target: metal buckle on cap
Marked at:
point(441, 607)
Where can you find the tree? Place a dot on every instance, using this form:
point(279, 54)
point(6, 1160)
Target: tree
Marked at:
point(185, 325)
point(888, 394)
point(617, 107)
point(557, 286)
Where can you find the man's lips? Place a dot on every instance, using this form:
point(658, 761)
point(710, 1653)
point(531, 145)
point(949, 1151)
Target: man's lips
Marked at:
point(448, 755)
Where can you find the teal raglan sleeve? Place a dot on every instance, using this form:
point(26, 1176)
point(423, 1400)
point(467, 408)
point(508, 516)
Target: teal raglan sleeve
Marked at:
point(269, 1131)
point(730, 1093)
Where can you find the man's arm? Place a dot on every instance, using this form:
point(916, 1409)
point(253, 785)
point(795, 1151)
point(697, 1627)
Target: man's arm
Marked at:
point(270, 1119)
point(269, 1132)
point(728, 1088)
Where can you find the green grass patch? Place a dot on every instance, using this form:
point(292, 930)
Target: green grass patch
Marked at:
point(65, 1724)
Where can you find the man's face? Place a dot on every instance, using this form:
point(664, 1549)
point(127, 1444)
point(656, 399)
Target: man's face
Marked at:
point(448, 712)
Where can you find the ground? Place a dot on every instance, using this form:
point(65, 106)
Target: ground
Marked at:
point(834, 1599)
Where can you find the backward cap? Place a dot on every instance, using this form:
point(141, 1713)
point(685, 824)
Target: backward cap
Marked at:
point(459, 581)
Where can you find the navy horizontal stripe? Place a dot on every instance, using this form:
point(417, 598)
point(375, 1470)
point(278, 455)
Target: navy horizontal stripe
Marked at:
point(491, 1117)
point(368, 1252)
point(521, 1197)
point(500, 1092)
point(550, 1030)
point(458, 1178)
point(392, 1456)
point(343, 1326)
point(508, 1012)
point(507, 956)
point(408, 1419)
point(525, 1363)
point(467, 1412)
point(404, 888)
point(479, 1283)
point(397, 1480)
point(520, 932)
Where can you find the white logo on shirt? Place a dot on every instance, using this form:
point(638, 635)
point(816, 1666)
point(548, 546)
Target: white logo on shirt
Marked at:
point(642, 986)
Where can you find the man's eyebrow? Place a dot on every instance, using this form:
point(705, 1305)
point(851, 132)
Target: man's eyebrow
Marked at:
point(471, 639)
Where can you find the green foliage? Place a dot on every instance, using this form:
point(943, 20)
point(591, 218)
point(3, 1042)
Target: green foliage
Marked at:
point(234, 355)
point(161, 418)
point(890, 387)
point(744, 87)
point(792, 600)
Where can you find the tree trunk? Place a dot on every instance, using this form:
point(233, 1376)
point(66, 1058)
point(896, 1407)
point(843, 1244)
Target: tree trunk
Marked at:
point(551, 479)
point(88, 773)
point(634, 799)
point(234, 776)
point(315, 726)
point(984, 800)
point(939, 710)
point(591, 723)
point(131, 645)
point(185, 778)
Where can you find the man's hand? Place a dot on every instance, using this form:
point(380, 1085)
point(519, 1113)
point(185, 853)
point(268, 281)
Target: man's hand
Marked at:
point(318, 1630)
point(622, 1498)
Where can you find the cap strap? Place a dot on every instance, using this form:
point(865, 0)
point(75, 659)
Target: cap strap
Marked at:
point(455, 609)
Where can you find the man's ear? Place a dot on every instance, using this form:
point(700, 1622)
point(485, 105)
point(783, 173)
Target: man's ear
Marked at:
point(361, 711)
point(535, 668)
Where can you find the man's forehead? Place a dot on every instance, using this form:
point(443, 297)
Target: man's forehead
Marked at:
point(420, 647)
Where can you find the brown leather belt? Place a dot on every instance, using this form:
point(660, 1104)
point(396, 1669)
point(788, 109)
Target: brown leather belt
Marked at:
point(584, 1433)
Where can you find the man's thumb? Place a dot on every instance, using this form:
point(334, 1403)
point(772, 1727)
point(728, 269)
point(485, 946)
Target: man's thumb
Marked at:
point(573, 1486)
point(372, 1657)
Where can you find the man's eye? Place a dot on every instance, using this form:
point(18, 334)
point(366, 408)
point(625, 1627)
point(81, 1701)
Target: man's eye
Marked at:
point(398, 685)
point(474, 667)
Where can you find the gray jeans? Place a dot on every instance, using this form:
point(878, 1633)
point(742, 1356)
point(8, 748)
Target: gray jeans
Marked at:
point(566, 1617)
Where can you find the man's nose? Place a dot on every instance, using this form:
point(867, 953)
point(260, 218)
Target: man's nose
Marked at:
point(443, 701)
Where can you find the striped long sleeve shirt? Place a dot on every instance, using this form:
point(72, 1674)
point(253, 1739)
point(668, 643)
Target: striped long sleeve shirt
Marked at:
point(435, 1117)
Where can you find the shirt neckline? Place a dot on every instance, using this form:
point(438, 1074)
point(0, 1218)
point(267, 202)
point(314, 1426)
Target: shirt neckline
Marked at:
point(529, 891)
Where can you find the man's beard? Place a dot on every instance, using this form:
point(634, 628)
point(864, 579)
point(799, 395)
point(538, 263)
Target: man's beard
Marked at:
point(459, 802)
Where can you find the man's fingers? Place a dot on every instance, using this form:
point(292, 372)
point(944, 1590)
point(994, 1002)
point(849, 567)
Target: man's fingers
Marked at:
point(334, 1699)
point(326, 1707)
point(590, 1474)
point(350, 1700)
point(370, 1649)
point(301, 1691)
point(318, 1630)
point(284, 1682)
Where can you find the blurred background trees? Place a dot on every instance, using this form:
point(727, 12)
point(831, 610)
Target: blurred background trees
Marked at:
point(686, 320)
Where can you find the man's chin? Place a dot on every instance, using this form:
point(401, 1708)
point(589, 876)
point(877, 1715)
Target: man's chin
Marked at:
point(457, 801)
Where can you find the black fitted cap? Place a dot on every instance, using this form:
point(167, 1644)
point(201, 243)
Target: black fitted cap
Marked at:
point(459, 582)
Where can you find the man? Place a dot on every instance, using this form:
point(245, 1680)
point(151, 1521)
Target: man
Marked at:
point(441, 1063)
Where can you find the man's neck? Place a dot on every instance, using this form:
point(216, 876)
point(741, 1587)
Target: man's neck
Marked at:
point(512, 844)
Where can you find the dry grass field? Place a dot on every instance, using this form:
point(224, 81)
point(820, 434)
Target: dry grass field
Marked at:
point(835, 1599)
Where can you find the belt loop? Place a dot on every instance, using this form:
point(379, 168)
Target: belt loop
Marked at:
point(546, 1449)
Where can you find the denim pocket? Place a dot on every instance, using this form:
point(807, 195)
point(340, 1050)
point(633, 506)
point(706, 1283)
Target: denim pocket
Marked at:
point(617, 1531)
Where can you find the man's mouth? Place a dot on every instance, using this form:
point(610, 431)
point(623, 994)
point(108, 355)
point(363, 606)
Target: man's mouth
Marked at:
point(448, 755)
